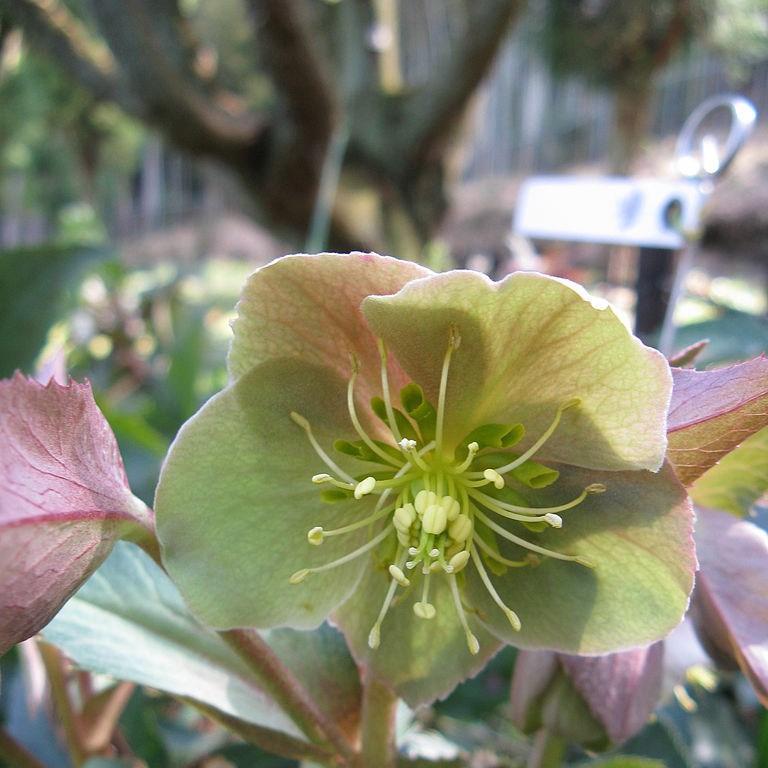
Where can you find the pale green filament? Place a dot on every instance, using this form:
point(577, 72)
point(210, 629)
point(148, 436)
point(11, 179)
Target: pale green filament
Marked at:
point(453, 343)
point(548, 517)
point(503, 560)
point(385, 393)
point(472, 642)
point(302, 574)
point(490, 502)
point(317, 534)
point(529, 545)
point(327, 460)
point(359, 427)
point(508, 612)
point(543, 439)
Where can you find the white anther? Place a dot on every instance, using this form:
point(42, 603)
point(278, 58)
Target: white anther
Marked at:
point(299, 576)
point(300, 420)
point(397, 574)
point(473, 447)
point(435, 520)
point(316, 535)
point(434, 552)
point(425, 569)
point(492, 476)
point(460, 529)
point(323, 477)
point(513, 619)
point(459, 560)
point(596, 488)
point(554, 520)
point(473, 644)
point(364, 487)
point(407, 445)
point(413, 550)
point(374, 637)
point(424, 500)
point(424, 610)
point(404, 517)
point(410, 565)
point(451, 506)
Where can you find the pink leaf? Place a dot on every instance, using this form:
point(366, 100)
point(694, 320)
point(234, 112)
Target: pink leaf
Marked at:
point(714, 411)
point(620, 689)
point(731, 598)
point(64, 500)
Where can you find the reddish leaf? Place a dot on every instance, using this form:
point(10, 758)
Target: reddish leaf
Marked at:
point(621, 689)
point(712, 412)
point(64, 500)
point(731, 598)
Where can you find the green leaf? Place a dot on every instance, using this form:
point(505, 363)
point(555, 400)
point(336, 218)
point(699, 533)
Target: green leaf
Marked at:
point(530, 344)
point(738, 480)
point(130, 622)
point(35, 284)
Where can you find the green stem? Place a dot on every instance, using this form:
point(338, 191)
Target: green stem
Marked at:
point(287, 691)
point(378, 748)
point(548, 750)
point(265, 738)
point(53, 662)
point(14, 754)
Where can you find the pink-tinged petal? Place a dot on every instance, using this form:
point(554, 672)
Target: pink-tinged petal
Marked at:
point(308, 307)
point(534, 671)
point(712, 412)
point(731, 598)
point(621, 689)
point(529, 344)
point(64, 500)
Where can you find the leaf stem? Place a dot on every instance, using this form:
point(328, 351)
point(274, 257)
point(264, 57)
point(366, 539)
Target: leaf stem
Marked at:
point(265, 738)
point(548, 750)
point(14, 754)
point(378, 726)
point(287, 691)
point(54, 667)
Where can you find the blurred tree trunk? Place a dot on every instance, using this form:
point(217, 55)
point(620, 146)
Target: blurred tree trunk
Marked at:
point(325, 77)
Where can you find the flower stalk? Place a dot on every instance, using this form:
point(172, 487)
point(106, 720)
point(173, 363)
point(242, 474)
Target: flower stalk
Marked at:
point(378, 726)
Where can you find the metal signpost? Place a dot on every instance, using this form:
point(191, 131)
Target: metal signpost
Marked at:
point(649, 213)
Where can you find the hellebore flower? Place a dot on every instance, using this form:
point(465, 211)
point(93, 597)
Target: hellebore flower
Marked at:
point(439, 462)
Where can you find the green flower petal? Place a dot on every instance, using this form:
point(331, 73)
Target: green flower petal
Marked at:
point(421, 659)
point(638, 536)
point(308, 307)
point(235, 501)
point(529, 344)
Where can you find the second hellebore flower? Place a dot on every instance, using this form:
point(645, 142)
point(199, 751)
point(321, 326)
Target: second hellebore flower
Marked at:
point(438, 462)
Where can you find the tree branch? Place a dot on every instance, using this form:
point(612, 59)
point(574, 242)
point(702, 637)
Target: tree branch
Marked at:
point(171, 93)
point(50, 27)
point(299, 73)
point(433, 111)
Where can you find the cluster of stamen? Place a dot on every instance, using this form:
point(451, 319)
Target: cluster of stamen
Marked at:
point(432, 501)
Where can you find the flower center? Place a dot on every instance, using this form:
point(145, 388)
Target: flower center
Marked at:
point(442, 509)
